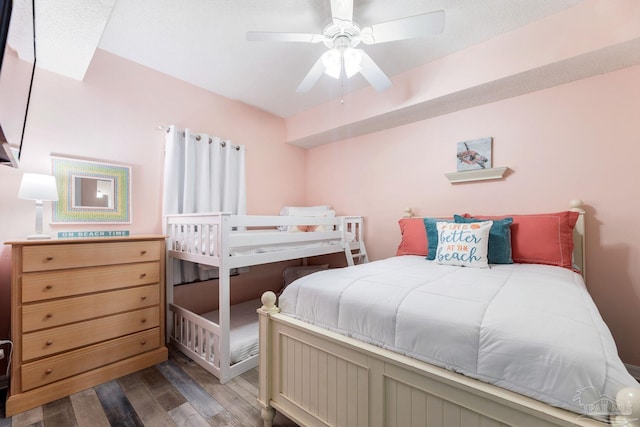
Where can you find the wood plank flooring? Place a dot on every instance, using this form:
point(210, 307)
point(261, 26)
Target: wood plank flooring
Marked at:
point(177, 392)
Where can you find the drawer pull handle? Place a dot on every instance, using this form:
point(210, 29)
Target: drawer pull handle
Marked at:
point(49, 258)
point(143, 252)
point(48, 287)
point(144, 321)
point(49, 342)
point(48, 371)
point(143, 342)
point(143, 298)
point(143, 275)
point(48, 315)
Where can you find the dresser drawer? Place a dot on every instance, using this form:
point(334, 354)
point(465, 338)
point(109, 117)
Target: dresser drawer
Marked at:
point(57, 257)
point(41, 372)
point(63, 338)
point(62, 283)
point(69, 310)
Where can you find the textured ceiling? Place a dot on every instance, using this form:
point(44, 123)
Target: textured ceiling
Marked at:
point(203, 41)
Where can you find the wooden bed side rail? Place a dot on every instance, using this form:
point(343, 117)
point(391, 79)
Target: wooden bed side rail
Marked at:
point(318, 377)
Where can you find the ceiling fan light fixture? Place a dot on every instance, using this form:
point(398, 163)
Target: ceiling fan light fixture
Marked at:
point(332, 61)
point(352, 59)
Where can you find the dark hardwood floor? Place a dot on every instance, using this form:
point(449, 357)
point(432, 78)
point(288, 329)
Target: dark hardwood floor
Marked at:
point(175, 393)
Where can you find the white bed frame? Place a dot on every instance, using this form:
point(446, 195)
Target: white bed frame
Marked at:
point(320, 378)
point(206, 342)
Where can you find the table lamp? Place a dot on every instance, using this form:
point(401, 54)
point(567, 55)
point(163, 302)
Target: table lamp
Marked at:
point(38, 187)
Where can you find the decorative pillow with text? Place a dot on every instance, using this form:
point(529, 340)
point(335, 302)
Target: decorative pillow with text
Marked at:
point(464, 245)
point(499, 251)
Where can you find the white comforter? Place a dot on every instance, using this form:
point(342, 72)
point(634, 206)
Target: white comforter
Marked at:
point(532, 329)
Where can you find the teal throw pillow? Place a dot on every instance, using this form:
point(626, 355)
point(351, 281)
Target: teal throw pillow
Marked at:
point(432, 235)
point(499, 238)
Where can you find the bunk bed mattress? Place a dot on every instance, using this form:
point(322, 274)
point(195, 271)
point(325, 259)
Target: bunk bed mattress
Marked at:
point(244, 329)
point(266, 248)
point(531, 329)
point(206, 246)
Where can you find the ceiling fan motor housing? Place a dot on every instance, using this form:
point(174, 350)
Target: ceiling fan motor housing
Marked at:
point(340, 32)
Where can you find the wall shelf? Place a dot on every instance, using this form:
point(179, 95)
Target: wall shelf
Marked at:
point(476, 175)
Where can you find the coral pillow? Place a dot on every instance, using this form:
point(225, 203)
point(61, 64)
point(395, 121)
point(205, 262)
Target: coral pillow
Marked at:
point(414, 237)
point(465, 245)
point(541, 238)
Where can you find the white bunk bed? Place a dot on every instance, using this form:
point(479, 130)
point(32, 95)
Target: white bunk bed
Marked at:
point(233, 241)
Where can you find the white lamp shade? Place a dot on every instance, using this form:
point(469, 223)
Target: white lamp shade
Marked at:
point(352, 59)
point(332, 61)
point(35, 186)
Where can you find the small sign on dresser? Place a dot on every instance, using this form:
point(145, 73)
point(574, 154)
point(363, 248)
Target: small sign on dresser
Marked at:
point(88, 234)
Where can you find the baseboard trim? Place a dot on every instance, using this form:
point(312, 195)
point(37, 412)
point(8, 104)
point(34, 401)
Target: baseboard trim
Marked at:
point(633, 370)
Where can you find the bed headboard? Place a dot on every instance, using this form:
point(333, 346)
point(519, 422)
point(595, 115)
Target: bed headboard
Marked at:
point(579, 253)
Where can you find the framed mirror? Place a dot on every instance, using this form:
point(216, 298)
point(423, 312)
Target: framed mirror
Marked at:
point(91, 192)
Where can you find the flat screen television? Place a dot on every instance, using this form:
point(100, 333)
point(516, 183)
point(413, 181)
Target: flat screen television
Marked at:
point(16, 76)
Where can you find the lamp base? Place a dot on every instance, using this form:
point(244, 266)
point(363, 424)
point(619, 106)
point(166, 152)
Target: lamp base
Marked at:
point(38, 237)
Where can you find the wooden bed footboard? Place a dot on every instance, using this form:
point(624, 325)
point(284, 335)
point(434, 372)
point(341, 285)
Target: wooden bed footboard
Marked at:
point(319, 378)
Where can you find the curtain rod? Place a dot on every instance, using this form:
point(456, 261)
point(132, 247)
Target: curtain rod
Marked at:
point(198, 137)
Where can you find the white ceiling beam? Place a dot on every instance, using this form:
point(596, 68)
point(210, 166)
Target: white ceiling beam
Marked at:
point(67, 33)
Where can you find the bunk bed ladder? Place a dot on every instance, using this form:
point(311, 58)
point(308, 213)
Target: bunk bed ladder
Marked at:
point(354, 251)
point(357, 256)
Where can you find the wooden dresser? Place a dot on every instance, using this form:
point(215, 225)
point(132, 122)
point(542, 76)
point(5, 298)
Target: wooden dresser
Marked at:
point(83, 312)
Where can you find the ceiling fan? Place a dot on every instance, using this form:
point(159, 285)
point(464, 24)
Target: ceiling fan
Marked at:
point(342, 36)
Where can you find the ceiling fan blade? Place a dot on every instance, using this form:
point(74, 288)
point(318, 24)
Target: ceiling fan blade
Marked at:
point(263, 36)
point(342, 10)
point(372, 73)
point(410, 27)
point(312, 77)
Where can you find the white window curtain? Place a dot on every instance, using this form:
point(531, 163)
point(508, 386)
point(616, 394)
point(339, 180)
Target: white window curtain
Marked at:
point(202, 173)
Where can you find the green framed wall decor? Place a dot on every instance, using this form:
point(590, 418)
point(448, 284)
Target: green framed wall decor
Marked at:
point(91, 192)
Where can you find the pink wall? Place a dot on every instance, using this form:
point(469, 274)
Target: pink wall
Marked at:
point(111, 116)
point(572, 141)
